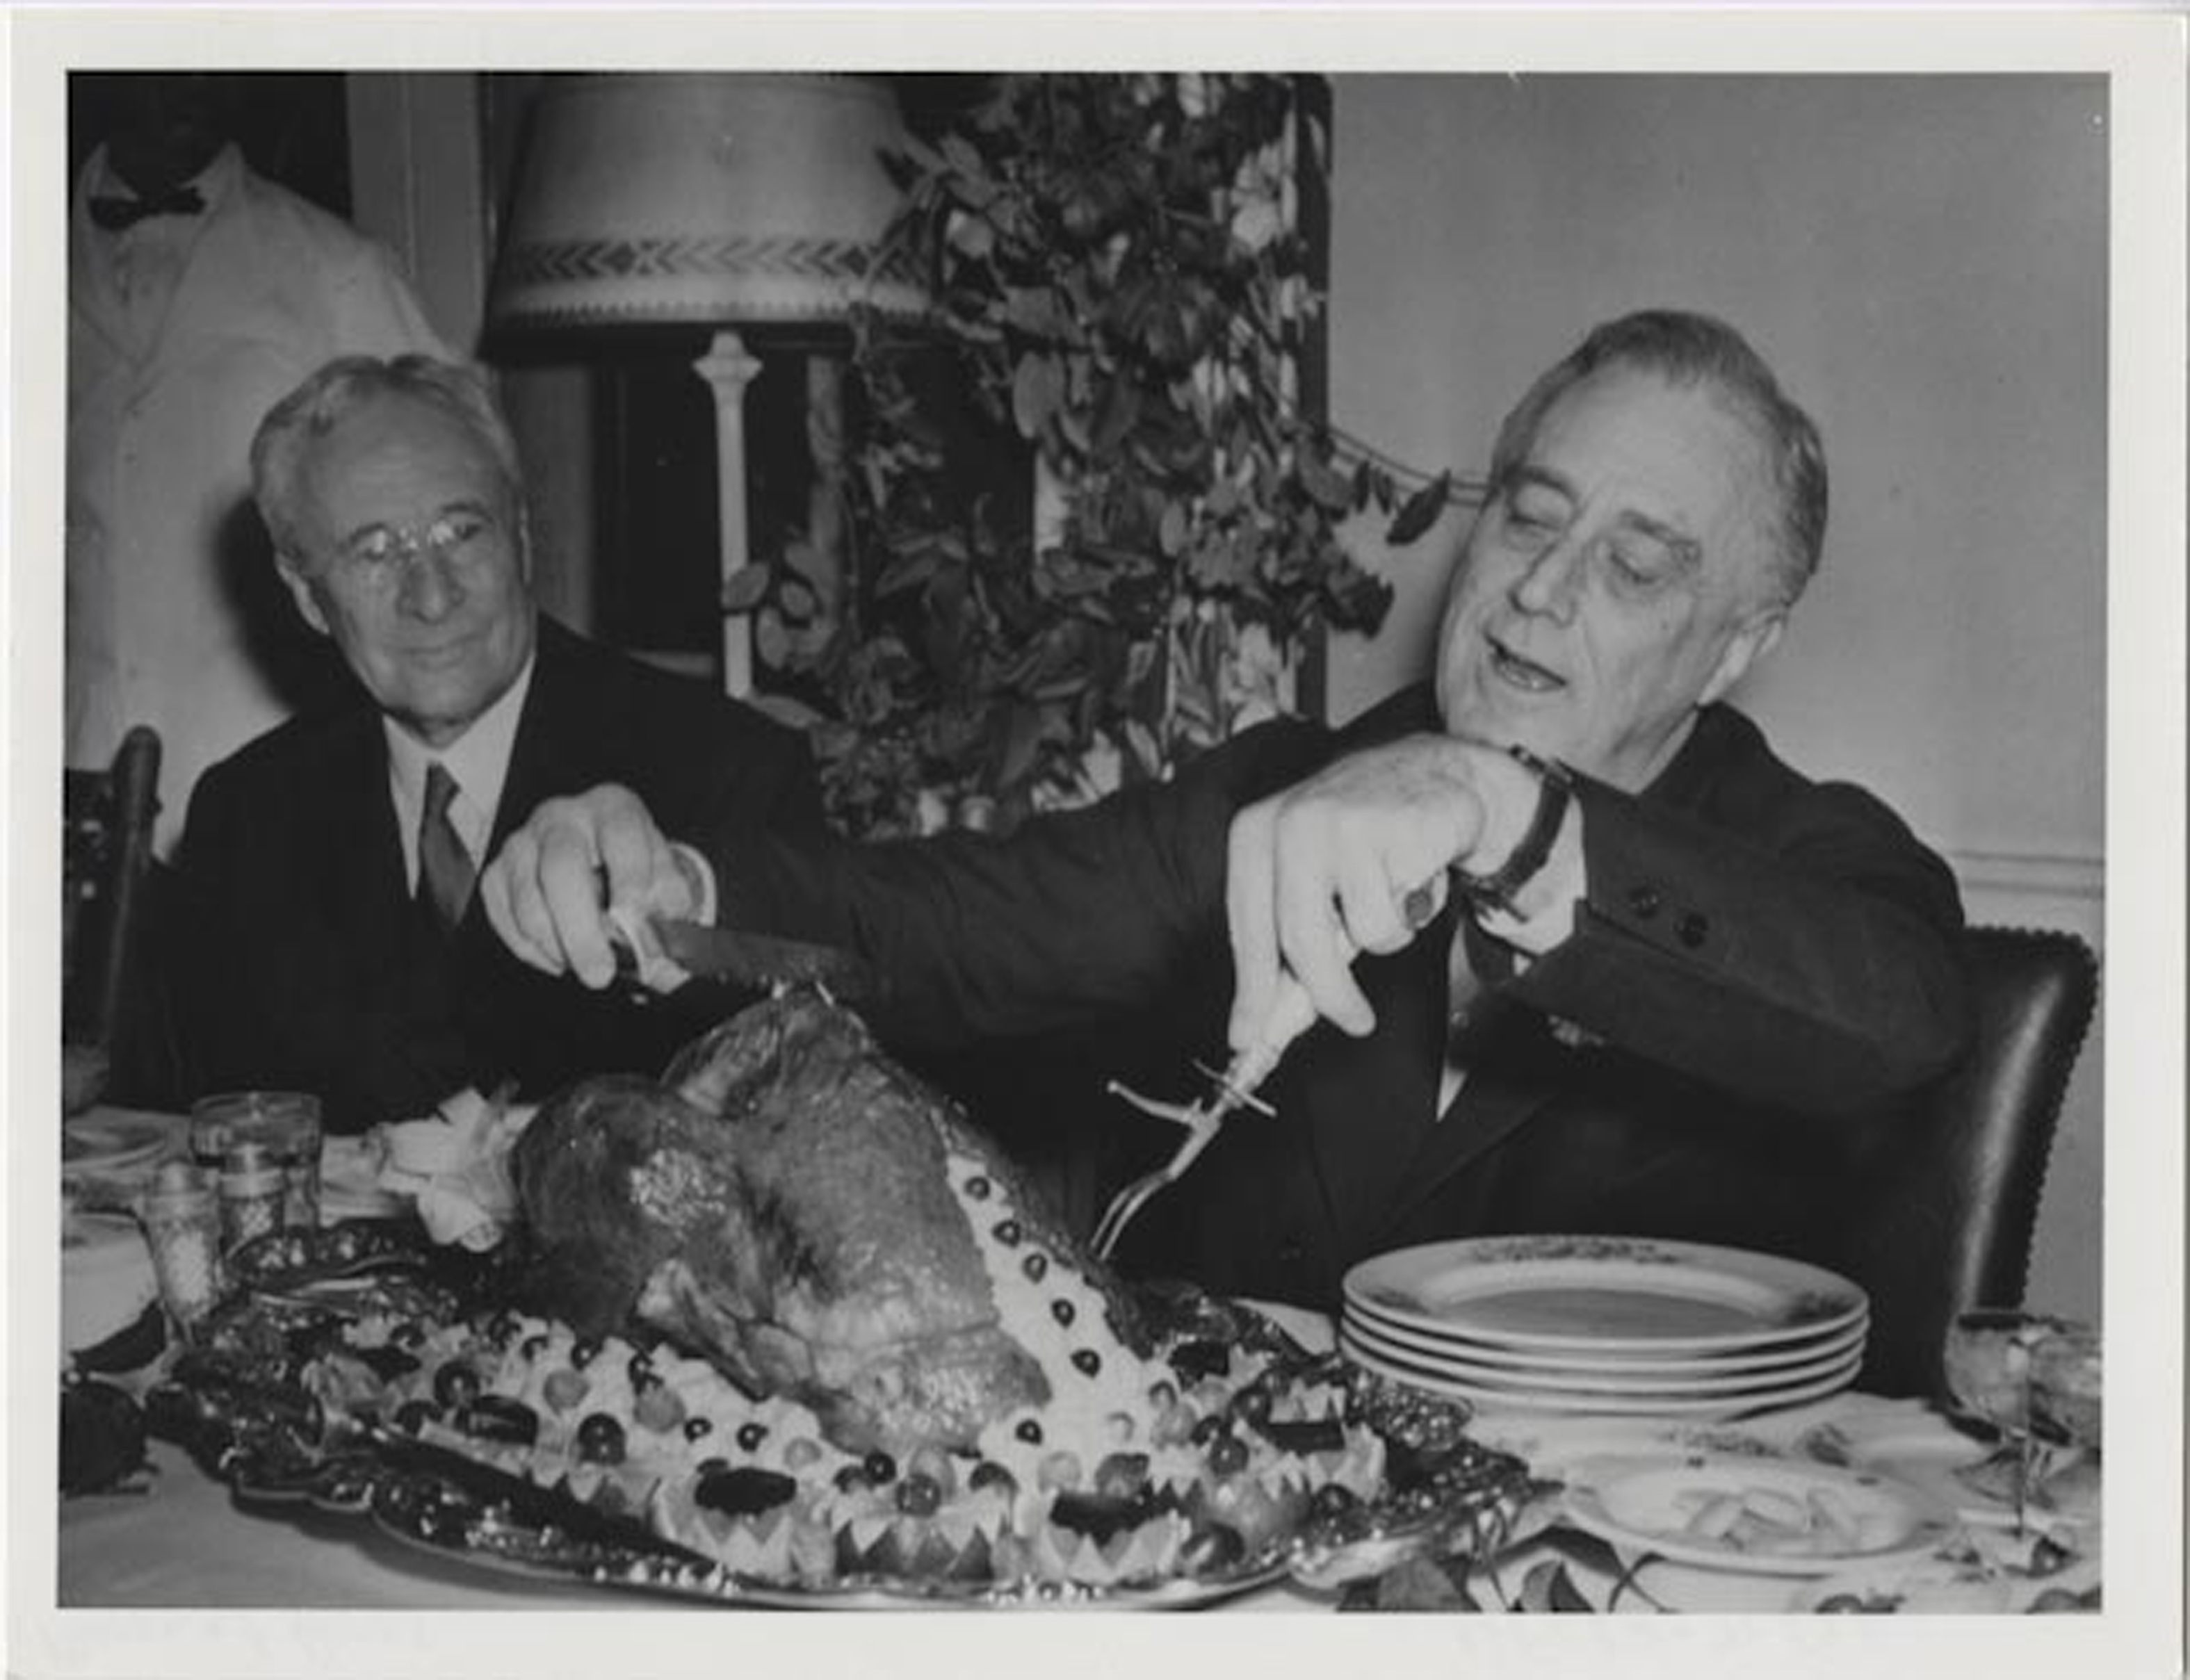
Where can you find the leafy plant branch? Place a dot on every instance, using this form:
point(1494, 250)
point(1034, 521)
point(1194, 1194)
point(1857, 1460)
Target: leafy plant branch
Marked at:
point(1120, 305)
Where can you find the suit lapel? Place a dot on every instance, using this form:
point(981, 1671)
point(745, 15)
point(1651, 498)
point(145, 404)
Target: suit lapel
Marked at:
point(1492, 1106)
point(1371, 1102)
point(1505, 1086)
point(552, 752)
point(362, 854)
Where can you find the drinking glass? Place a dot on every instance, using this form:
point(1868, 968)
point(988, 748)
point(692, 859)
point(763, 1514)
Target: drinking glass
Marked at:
point(288, 1123)
point(2034, 1378)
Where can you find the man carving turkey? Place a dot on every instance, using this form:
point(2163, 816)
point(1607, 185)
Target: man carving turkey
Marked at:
point(1676, 989)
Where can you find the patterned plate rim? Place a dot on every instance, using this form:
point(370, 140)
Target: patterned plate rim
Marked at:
point(1607, 1361)
point(1668, 1385)
point(1612, 1406)
point(1812, 1300)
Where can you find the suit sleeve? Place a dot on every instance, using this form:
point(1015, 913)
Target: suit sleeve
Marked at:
point(1077, 917)
point(1812, 969)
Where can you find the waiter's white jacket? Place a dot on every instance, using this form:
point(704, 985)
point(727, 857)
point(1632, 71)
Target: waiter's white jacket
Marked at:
point(243, 300)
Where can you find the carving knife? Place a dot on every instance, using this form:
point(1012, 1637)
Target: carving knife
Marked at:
point(758, 960)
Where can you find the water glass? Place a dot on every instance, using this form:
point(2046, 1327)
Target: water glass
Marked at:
point(181, 1213)
point(286, 1122)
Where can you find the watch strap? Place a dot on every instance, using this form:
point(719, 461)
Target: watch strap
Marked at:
point(1554, 792)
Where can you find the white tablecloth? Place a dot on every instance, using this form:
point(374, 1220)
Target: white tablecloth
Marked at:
point(185, 1542)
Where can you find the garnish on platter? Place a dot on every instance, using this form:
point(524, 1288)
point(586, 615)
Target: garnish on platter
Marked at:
point(783, 1326)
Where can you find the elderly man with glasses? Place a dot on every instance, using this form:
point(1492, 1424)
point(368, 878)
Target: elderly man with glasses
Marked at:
point(1592, 958)
point(333, 939)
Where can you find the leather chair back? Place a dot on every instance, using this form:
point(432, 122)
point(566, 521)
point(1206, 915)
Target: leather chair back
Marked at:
point(106, 864)
point(1948, 1224)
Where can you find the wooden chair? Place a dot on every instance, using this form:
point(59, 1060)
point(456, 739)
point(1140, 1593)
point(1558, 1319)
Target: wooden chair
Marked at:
point(1949, 1221)
point(107, 818)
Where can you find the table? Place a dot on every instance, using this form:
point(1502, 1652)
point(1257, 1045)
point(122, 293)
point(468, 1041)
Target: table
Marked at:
point(186, 1543)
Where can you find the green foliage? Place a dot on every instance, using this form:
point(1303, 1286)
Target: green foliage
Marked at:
point(1121, 292)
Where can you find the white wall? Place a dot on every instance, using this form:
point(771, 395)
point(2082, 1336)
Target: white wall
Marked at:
point(1923, 260)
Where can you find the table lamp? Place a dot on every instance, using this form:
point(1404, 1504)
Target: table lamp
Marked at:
point(716, 199)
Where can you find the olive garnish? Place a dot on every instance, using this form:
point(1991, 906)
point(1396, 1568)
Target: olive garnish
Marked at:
point(1211, 1549)
point(744, 1491)
point(1228, 1456)
point(919, 1495)
point(497, 1417)
point(1200, 1359)
point(600, 1440)
point(455, 1385)
point(1332, 1499)
point(1306, 1435)
point(990, 1473)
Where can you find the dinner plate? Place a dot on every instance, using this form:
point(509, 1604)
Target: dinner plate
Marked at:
point(105, 1142)
point(1793, 1518)
point(1664, 1383)
point(1703, 1406)
point(1552, 1443)
point(1615, 1362)
point(1599, 1294)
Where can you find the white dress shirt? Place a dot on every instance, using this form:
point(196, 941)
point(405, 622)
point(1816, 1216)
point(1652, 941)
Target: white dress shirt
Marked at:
point(478, 760)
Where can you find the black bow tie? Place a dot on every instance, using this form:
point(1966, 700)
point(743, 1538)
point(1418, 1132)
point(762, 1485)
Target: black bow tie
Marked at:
point(115, 214)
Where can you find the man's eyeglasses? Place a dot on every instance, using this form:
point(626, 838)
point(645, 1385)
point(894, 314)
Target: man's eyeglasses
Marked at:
point(379, 557)
point(1636, 556)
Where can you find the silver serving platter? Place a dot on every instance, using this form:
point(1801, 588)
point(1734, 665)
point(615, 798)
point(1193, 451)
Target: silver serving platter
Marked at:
point(275, 1448)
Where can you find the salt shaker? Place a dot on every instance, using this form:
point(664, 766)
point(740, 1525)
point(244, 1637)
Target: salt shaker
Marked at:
point(181, 1211)
point(253, 1195)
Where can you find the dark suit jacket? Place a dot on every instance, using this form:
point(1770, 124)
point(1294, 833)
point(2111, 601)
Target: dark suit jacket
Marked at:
point(1760, 979)
point(306, 962)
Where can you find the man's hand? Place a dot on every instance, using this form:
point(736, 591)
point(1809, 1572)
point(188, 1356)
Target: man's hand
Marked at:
point(1324, 871)
point(553, 888)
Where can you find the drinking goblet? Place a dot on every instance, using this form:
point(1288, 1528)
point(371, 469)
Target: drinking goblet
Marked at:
point(2034, 1378)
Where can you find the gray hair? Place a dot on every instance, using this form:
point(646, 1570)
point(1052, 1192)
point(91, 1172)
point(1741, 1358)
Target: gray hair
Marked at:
point(1690, 349)
point(463, 390)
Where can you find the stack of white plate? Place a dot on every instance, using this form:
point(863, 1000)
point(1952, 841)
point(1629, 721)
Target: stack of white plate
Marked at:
point(1620, 1326)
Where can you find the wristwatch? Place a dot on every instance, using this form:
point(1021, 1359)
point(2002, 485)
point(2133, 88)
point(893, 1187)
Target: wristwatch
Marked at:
point(1554, 790)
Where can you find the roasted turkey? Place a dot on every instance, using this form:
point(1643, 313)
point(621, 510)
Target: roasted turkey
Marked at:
point(783, 1201)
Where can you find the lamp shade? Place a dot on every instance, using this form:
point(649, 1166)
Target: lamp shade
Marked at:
point(715, 199)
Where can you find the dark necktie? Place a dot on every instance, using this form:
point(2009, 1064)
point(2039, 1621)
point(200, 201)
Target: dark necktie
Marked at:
point(445, 867)
point(115, 214)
